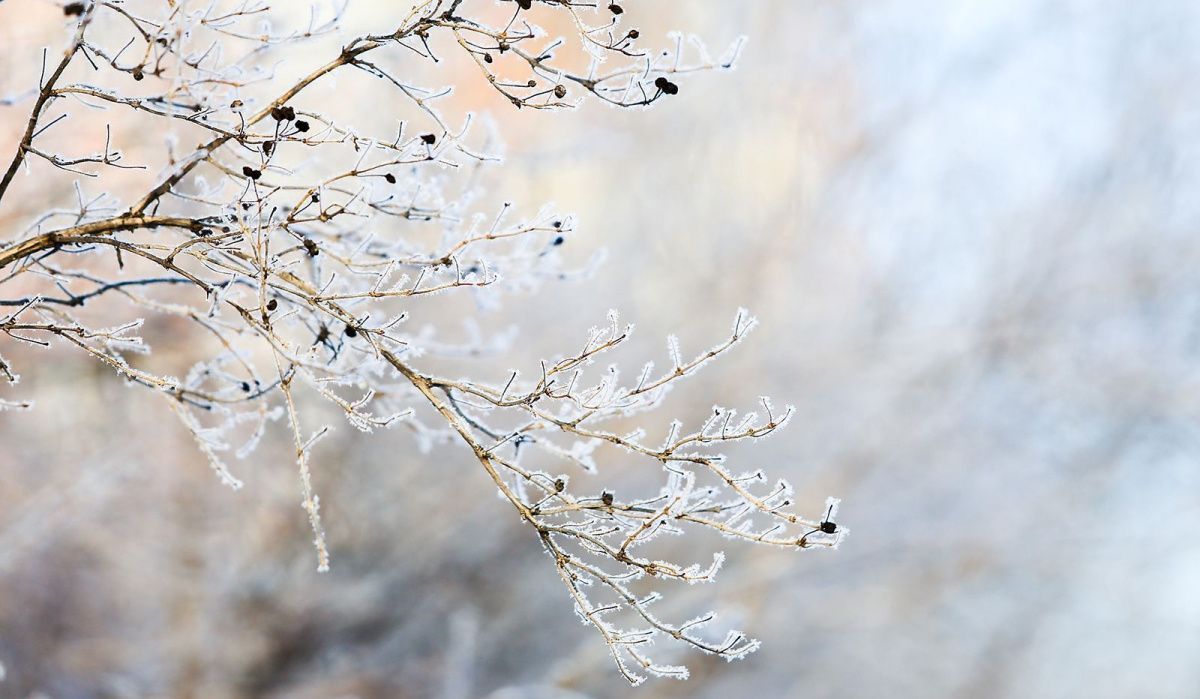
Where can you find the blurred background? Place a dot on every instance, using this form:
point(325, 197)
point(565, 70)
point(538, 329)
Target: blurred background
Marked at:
point(969, 233)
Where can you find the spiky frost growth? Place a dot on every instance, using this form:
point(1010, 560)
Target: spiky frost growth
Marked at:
point(303, 245)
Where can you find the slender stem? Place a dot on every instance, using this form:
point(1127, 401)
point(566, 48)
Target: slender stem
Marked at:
point(66, 236)
point(45, 93)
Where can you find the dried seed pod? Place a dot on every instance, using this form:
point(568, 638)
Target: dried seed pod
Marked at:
point(666, 86)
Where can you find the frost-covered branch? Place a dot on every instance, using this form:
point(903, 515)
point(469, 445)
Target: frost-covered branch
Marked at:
point(298, 249)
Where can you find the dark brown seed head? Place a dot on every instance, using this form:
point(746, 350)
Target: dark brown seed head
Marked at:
point(560, 91)
point(615, 9)
point(429, 139)
point(251, 172)
point(607, 498)
point(74, 9)
point(272, 305)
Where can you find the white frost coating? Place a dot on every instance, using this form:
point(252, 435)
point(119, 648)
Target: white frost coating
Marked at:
point(301, 250)
point(209, 443)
